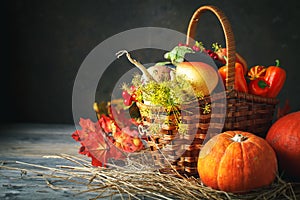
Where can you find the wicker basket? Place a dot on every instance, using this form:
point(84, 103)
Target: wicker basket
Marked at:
point(244, 111)
point(173, 150)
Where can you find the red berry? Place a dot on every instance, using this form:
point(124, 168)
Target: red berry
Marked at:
point(195, 48)
point(182, 44)
point(125, 94)
point(132, 88)
point(215, 56)
point(133, 97)
point(127, 102)
point(209, 51)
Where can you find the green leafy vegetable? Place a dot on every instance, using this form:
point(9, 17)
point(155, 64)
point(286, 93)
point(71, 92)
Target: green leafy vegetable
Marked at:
point(177, 54)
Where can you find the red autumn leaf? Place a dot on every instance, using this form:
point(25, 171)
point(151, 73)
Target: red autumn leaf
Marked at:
point(107, 124)
point(95, 162)
point(87, 125)
point(96, 144)
point(101, 148)
point(75, 136)
point(108, 138)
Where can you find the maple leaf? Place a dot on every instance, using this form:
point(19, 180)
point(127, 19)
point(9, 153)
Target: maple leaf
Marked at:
point(75, 136)
point(83, 150)
point(96, 144)
point(109, 138)
point(102, 149)
point(87, 125)
point(108, 124)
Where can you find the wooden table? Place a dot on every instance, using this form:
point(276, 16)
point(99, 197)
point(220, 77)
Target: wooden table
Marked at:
point(35, 144)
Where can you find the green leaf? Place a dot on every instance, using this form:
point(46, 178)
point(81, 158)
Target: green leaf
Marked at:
point(177, 54)
point(163, 63)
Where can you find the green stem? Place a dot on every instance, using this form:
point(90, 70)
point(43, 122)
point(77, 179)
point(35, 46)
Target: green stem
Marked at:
point(277, 63)
point(262, 84)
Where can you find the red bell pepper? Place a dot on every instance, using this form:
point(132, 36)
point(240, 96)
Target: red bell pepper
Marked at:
point(240, 83)
point(258, 86)
point(275, 77)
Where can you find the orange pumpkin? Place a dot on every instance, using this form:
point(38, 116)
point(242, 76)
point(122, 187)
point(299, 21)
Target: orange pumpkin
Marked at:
point(284, 137)
point(236, 161)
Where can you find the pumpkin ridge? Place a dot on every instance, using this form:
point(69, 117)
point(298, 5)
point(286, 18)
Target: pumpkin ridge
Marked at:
point(220, 163)
point(255, 144)
point(227, 134)
point(244, 172)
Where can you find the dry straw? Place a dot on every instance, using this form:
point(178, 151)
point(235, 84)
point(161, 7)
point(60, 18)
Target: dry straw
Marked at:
point(136, 180)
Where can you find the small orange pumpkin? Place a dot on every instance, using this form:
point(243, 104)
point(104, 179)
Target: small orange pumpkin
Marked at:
point(284, 137)
point(236, 161)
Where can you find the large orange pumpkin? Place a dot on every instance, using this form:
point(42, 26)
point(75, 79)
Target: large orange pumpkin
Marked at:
point(284, 137)
point(236, 161)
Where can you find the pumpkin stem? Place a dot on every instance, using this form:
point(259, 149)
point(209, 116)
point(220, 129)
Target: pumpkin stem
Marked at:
point(239, 138)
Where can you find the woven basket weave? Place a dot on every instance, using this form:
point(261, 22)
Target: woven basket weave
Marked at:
point(173, 150)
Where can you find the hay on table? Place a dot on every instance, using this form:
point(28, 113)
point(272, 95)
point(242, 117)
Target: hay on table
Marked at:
point(136, 180)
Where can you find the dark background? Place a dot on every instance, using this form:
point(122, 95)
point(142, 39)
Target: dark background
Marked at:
point(43, 44)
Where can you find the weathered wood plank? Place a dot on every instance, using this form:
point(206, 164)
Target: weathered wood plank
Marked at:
point(32, 144)
point(36, 140)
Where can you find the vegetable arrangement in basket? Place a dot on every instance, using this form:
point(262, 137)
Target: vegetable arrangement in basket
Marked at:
point(171, 103)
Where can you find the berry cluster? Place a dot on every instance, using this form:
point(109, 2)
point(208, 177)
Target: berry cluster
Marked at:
point(199, 47)
point(129, 96)
point(195, 47)
point(212, 54)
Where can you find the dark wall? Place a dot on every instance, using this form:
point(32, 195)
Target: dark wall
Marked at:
point(43, 44)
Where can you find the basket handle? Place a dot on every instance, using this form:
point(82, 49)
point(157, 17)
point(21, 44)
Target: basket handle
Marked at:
point(229, 39)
